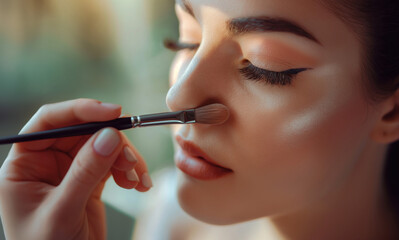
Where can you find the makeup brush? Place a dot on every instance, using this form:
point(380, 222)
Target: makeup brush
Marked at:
point(210, 114)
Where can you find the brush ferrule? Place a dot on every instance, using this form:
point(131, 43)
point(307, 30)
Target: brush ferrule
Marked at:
point(136, 121)
point(180, 117)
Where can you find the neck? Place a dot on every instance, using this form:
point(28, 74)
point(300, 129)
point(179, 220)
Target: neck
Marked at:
point(359, 210)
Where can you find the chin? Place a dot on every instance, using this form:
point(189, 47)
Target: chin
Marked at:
point(208, 207)
point(207, 216)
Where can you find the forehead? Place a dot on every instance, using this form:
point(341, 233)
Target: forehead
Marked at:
point(255, 6)
point(312, 15)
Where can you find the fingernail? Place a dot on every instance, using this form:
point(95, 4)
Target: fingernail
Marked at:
point(106, 142)
point(111, 106)
point(146, 180)
point(129, 155)
point(132, 175)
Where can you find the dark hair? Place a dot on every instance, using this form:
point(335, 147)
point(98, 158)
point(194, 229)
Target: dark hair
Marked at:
point(376, 23)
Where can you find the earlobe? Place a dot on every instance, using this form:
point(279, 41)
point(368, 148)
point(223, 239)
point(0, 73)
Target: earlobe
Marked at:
point(387, 128)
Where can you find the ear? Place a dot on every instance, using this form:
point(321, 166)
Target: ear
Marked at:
point(387, 128)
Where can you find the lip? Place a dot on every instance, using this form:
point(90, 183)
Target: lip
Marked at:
point(194, 162)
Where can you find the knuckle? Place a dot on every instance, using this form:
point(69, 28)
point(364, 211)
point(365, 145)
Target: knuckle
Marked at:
point(81, 104)
point(41, 114)
point(80, 101)
point(85, 101)
point(85, 175)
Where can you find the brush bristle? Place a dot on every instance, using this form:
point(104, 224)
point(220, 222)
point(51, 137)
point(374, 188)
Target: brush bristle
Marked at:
point(212, 114)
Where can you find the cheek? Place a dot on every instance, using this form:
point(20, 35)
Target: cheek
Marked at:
point(300, 146)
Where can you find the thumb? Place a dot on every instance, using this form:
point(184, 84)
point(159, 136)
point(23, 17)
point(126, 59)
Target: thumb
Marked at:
point(91, 165)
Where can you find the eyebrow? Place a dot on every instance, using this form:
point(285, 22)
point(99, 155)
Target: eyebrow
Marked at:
point(239, 26)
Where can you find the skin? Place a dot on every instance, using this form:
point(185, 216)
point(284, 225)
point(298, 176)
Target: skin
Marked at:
point(307, 155)
point(51, 189)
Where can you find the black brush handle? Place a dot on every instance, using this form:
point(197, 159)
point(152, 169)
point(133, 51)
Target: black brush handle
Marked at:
point(77, 130)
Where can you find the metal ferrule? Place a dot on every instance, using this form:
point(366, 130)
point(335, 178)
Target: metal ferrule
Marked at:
point(180, 117)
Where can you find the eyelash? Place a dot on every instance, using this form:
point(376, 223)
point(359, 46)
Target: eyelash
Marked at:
point(250, 72)
point(178, 46)
point(274, 78)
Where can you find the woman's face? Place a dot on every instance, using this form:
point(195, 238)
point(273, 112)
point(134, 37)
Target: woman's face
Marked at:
point(290, 73)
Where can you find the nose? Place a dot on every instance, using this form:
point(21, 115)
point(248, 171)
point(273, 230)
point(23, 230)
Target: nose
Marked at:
point(199, 82)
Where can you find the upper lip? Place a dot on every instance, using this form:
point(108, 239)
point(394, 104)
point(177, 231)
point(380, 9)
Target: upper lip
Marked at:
point(193, 150)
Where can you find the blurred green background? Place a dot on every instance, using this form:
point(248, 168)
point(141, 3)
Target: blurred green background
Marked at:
point(110, 50)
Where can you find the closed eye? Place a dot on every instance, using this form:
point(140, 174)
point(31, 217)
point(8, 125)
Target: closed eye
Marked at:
point(177, 45)
point(252, 72)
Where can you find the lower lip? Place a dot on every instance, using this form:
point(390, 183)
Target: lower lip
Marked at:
point(198, 168)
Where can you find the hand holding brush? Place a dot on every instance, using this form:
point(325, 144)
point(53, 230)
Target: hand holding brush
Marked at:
point(61, 179)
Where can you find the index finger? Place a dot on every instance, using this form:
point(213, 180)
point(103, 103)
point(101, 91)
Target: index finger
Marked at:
point(67, 113)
